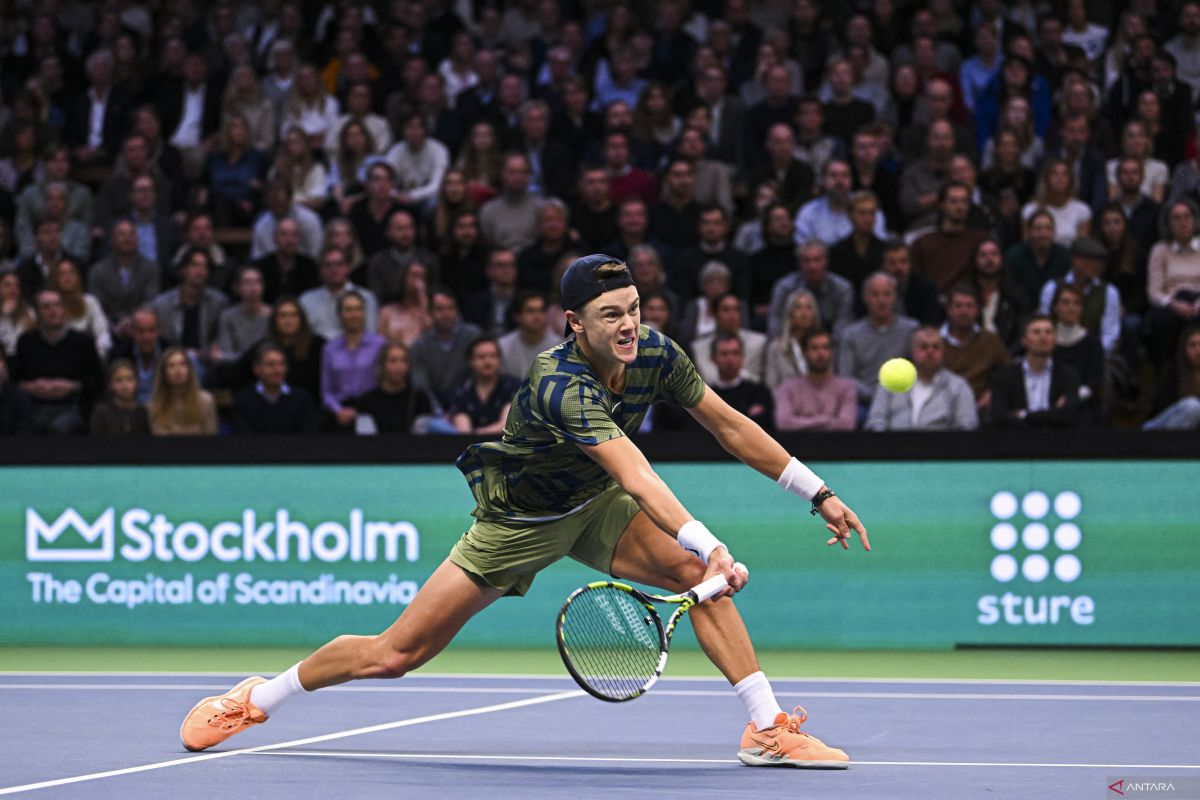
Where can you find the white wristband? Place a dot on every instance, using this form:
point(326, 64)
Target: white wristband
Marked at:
point(800, 480)
point(695, 538)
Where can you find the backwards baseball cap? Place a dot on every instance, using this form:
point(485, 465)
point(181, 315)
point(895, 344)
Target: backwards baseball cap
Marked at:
point(581, 283)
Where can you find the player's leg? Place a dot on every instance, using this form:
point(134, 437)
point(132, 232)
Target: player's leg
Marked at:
point(648, 555)
point(446, 601)
point(443, 605)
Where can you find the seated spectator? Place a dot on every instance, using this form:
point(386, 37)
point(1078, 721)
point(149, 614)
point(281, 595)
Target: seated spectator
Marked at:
point(510, 220)
point(1078, 347)
point(120, 414)
point(818, 400)
point(1136, 143)
point(125, 280)
point(178, 406)
point(943, 256)
point(348, 362)
point(713, 244)
point(916, 296)
point(971, 351)
point(773, 258)
point(814, 145)
point(715, 279)
point(288, 328)
point(114, 199)
point(714, 178)
point(1039, 258)
point(649, 275)
point(656, 314)
point(369, 214)
point(280, 205)
point(1173, 280)
point(1056, 194)
point(860, 253)
point(271, 405)
point(535, 264)
point(728, 313)
point(480, 406)
point(1004, 303)
point(395, 405)
point(463, 256)
point(234, 175)
point(16, 407)
point(143, 349)
point(594, 213)
point(784, 358)
point(1177, 401)
point(348, 162)
point(490, 308)
point(240, 326)
point(439, 356)
point(794, 177)
point(407, 316)
point(827, 218)
point(188, 313)
point(834, 294)
point(243, 95)
point(309, 107)
point(294, 165)
point(1139, 209)
point(386, 269)
point(938, 401)
point(16, 316)
point(479, 163)
point(519, 347)
point(924, 178)
point(69, 238)
point(285, 270)
point(58, 368)
point(321, 304)
point(31, 201)
point(732, 385)
point(419, 162)
point(880, 336)
point(625, 180)
point(34, 270)
point(675, 217)
point(1036, 391)
point(359, 102)
point(83, 311)
point(199, 234)
point(1102, 304)
point(633, 229)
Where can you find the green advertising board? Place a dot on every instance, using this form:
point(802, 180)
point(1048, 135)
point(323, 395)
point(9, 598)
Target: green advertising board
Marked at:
point(975, 553)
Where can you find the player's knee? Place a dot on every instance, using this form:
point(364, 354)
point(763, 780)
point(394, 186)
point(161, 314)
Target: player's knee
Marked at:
point(685, 572)
point(388, 662)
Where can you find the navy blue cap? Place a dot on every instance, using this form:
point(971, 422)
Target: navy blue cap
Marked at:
point(580, 283)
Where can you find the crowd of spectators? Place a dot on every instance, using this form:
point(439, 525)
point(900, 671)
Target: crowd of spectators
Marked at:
point(282, 216)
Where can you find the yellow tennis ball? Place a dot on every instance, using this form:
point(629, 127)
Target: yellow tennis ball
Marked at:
point(897, 375)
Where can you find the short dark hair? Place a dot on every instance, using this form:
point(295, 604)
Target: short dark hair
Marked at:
point(1032, 318)
point(265, 349)
point(477, 341)
point(815, 333)
point(721, 338)
point(341, 301)
point(524, 296)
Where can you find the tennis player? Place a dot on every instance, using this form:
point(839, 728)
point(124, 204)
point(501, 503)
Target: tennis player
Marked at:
point(566, 480)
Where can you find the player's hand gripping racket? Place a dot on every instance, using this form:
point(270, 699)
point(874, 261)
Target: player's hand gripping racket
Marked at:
point(613, 642)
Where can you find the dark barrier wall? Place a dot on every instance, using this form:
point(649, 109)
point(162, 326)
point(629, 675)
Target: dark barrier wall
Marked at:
point(979, 540)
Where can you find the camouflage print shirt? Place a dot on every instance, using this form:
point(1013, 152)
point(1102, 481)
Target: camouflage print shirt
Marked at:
point(537, 471)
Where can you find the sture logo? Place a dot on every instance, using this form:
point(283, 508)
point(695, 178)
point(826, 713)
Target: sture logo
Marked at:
point(1036, 554)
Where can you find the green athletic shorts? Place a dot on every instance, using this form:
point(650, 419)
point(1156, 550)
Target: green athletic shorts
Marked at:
point(507, 555)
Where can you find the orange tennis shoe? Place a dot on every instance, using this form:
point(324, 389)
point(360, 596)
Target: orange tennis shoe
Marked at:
point(215, 719)
point(785, 745)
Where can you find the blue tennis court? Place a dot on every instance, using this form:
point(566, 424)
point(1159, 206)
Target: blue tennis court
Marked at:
point(116, 735)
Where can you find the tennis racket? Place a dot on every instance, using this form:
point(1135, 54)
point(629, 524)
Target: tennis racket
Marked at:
point(613, 642)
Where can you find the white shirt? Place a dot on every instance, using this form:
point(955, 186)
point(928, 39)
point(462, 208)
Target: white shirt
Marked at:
point(1037, 386)
point(96, 117)
point(1067, 218)
point(190, 123)
point(919, 395)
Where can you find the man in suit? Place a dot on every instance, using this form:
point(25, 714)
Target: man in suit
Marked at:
point(158, 235)
point(1074, 134)
point(124, 280)
point(1035, 392)
point(728, 115)
point(794, 177)
point(191, 112)
point(96, 118)
point(490, 308)
point(552, 167)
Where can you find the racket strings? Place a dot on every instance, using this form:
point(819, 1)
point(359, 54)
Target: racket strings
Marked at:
point(612, 641)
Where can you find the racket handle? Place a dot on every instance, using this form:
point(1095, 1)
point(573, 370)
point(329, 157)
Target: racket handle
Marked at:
point(715, 585)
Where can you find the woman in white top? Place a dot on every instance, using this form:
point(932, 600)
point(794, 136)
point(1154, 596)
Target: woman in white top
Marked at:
point(715, 279)
point(1056, 194)
point(244, 96)
point(16, 316)
point(310, 107)
point(785, 359)
point(1136, 143)
point(458, 69)
point(294, 164)
point(277, 84)
point(84, 313)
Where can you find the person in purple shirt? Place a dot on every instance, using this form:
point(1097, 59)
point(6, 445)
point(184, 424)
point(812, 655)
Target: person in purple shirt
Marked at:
point(348, 362)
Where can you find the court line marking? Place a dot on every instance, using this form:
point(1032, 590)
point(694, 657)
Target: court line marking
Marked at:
point(553, 676)
point(662, 692)
point(637, 759)
point(386, 726)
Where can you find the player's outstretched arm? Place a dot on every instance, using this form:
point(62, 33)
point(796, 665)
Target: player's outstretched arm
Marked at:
point(754, 447)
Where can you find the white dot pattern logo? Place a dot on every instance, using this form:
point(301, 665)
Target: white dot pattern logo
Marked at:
point(1034, 553)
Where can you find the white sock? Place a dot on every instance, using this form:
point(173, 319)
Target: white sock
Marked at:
point(756, 694)
point(277, 691)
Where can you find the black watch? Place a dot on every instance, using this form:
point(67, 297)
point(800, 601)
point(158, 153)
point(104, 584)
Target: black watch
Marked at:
point(821, 497)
